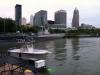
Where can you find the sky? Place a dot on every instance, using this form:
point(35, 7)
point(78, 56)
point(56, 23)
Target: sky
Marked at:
point(89, 10)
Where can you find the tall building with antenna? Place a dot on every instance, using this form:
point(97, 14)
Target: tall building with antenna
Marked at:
point(75, 20)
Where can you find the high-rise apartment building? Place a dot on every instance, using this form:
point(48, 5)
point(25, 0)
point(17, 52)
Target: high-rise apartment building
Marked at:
point(60, 17)
point(40, 18)
point(18, 14)
point(75, 20)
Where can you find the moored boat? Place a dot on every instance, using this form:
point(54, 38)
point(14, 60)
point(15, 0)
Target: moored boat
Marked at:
point(29, 51)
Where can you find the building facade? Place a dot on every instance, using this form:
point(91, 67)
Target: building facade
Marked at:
point(23, 21)
point(75, 20)
point(87, 26)
point(40, 18)
point(60, 17)
point(31, 20)
point(18, 14)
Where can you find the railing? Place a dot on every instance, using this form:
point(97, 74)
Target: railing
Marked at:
point(16, 71)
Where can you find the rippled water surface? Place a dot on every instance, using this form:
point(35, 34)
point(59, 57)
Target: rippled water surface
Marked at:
point(75, 56)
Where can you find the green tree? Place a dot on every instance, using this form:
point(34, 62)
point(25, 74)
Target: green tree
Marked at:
point(57, 31)
point(36, 29)
point(1, 25)
point(10, 25)
point(7, 25)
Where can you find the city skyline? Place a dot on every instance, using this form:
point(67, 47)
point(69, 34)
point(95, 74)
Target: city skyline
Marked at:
point(89, 10)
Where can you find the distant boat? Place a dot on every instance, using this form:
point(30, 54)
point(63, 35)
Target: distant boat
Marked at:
point(29, 52)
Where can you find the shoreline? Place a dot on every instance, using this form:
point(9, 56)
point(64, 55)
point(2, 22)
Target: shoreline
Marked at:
point(29, 38)
point(80, 36)
point(40, 38)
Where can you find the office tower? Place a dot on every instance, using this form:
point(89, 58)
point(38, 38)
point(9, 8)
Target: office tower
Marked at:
point(18, 14)
point(31, 20)
point(23, 21)
point(40, 18)
point(60, 17)
point(75, 20)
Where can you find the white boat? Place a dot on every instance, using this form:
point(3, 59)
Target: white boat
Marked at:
point(29, 52)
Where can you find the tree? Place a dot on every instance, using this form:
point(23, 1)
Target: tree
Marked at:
point(57, 31)
point(7, 25)
point(10, 25)
point(36, 29)
point(1, 25)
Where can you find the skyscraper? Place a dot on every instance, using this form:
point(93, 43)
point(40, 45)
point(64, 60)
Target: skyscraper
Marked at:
point(18, 14)
point(40, 18)
point(23, 21)
point(75, 20)
point(60, 17)
point(31, 20)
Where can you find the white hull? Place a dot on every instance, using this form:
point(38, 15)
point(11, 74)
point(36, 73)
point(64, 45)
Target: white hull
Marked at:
point(24, 55)
point(29, 53)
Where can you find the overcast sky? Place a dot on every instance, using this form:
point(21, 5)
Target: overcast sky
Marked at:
point(89, 10)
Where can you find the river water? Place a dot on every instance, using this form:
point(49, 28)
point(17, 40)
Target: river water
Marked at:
point(74, 56)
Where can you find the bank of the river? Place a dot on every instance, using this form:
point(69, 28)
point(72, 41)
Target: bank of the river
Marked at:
point(72, 36)
point(39, 38)
point(14, 37)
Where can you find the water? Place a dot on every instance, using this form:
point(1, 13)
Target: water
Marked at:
point(75, 56)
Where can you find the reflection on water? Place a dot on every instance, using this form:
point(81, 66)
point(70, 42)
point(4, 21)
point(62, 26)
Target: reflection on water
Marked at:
point(75, 56)
point(75, 47)
point(60, 50)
